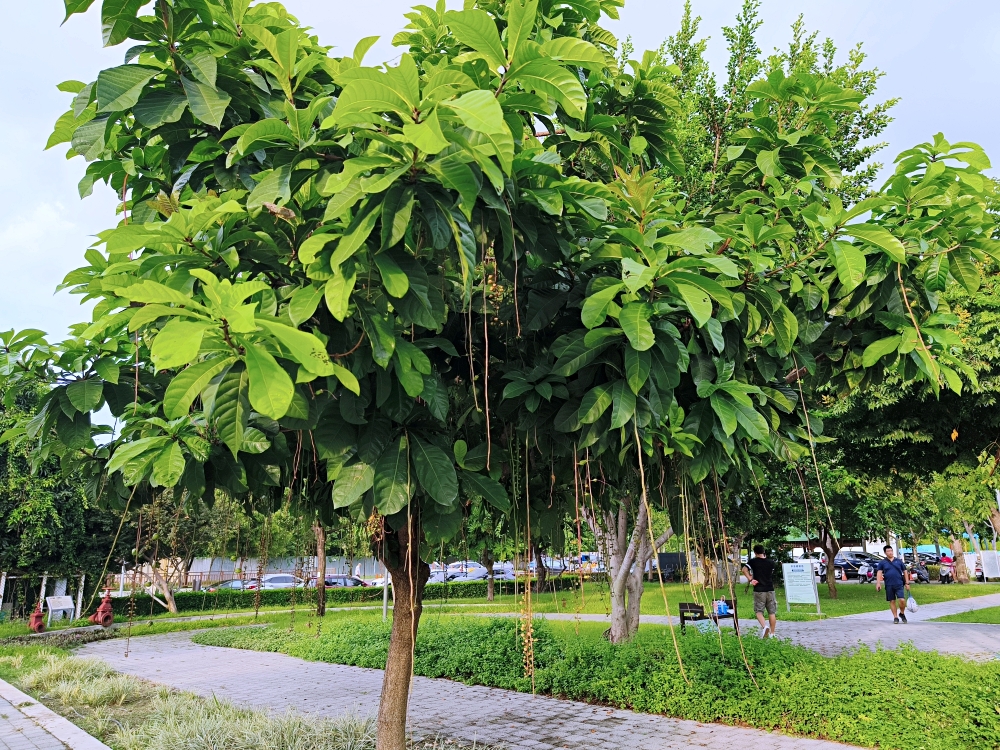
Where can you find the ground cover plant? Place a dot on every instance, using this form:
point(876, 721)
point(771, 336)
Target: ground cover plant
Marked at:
point(936, 702)
point(130, 713)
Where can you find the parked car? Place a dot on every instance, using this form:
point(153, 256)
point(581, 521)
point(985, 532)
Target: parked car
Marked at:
point(237, 584)
point(464, 566)
point(475, 574)
point(338, 582)
point(813, 558)
point(274, 581)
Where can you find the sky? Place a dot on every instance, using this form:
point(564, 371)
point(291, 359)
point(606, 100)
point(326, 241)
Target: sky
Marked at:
point(940, 58)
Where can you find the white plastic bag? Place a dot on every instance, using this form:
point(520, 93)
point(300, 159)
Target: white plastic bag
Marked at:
point(911, 604)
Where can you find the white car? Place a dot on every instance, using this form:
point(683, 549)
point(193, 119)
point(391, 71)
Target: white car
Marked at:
point(277, 581)
point(813, 558)
point(464, 566)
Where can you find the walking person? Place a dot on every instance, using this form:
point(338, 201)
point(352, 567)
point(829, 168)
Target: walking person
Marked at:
point(760, 571)
point(892, 572)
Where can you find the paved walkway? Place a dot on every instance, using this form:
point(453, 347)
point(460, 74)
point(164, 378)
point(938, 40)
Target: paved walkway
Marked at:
point(451, 709)
point(25, 724)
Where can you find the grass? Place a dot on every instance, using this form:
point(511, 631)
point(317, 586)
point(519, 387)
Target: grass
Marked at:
point(989, 616)
point(936, 702)
point(129, 713)
point(851, 599)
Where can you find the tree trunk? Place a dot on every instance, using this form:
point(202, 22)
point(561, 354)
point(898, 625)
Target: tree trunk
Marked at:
point(958, 552)
point(400, 554)
point(164, 586)
point(320, 530)
point(830, 546)
point(627, 556)
point(488, 564)
point(541, 573)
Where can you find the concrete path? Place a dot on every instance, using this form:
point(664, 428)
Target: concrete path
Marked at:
point(437, 707)
point(25, 724)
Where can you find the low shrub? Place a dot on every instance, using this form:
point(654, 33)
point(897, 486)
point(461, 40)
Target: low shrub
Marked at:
point(196, 601)
point(886, 699)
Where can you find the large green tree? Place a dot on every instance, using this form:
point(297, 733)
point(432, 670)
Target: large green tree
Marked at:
point(321, 264)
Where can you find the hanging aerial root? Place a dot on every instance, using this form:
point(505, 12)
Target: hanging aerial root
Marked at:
point(652, 542)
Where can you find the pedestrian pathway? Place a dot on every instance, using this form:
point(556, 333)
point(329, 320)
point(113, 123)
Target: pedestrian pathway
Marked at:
point(25, 724)
point(437, 707)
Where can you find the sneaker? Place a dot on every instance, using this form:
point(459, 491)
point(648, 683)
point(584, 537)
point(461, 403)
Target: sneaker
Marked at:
point(895, 621)
point(765, 633)
point(902, 617)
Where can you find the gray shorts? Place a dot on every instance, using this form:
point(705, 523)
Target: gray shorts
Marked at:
point(764, 601)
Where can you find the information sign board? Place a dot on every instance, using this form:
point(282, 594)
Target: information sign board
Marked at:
point(800, 585)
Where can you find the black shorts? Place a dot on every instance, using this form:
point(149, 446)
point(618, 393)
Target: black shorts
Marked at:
point(894, 592)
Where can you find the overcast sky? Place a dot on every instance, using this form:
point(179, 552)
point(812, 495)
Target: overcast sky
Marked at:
point(940, 57)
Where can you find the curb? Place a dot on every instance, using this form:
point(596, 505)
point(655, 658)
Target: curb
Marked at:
point(62, 729)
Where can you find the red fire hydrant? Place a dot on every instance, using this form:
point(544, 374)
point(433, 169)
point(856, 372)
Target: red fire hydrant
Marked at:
point(37, 620)
point(103, 616)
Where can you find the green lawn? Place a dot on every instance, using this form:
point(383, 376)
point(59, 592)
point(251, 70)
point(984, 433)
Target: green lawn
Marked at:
point(990, 616)
point(851, 599)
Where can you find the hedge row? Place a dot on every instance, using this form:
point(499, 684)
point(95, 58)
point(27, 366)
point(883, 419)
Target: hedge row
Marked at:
point(196, 601)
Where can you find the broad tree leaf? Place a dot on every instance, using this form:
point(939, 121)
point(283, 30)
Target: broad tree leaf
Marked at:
point(634, 320)
point(936, 273)
point(127, 452)
point(964, 270)
point(118, 89)
point(480, 111)
point(575, 51)
point(595, 307)
point(489, 489)
point(637, 366)
point(304, 302)
point(476, 29)
point(552, 79)
point(878, 349)
point(159, 108)
point(168, 466)
point(850, 264)
point(880, 237)
point(595, 403)
point(85, 395)
point(116, 19)
point(208, 104)
point(395, 281)
point(697, 301)
point(397, 208)
point(271, 389)
point(353, 482)
point(177, 343)
point(188, 384)
point(426, 135)
point(231, 406)
point(436, 472)
point(304, 347)
point(393, 484)
point(623, 404)
point(347, 379)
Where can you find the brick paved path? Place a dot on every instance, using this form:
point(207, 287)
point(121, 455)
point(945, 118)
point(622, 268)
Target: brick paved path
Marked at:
point(455, 711)
point(25, 724)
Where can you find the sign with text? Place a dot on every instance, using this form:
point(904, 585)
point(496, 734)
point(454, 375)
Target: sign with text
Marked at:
point(800, 585)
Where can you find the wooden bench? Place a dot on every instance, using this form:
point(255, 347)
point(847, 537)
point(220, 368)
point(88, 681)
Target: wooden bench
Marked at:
point(692, 612)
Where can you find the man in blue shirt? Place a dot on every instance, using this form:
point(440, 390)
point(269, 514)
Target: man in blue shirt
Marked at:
point(892, 572)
